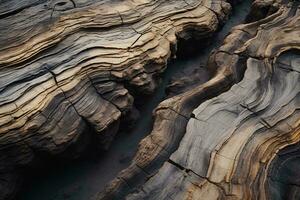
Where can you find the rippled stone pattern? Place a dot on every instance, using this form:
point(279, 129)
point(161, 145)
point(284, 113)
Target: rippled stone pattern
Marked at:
point(66, 67)
point(230, 146)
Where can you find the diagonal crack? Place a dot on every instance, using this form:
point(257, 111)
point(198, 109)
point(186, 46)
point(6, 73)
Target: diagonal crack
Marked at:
point(63, 92)
point(262, 120)
point(288, 68)
point(92, 83)
point(182, 168)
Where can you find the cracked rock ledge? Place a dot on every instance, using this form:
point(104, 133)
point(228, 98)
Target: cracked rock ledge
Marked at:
point(69, 66)
point(234, 142)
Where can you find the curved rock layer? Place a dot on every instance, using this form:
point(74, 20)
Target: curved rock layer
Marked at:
point(224, 147)
point(283, 176)
point(64, 66)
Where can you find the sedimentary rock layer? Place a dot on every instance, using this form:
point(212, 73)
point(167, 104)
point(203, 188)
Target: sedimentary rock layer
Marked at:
point(283, 176)
point(223, 148)
point(64, 66)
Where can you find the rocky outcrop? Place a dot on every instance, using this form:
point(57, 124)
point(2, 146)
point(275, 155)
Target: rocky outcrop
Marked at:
point(67, 66)
point(69, 71)
point(228, 146)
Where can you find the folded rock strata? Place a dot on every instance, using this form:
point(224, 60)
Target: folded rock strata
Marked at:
point(283, 176)
point(226, 147)
point(66, 67)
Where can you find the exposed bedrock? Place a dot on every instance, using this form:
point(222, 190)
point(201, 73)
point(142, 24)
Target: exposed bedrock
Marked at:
point(67, 68)
point(283, 176)
point(195, 71)
point(226, 147)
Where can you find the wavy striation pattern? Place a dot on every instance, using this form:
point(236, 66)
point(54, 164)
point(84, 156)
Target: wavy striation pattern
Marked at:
point(66, 67)
point(230, 141)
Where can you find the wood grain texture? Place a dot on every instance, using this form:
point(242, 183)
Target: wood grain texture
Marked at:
point(231, 140)
point(66, 67)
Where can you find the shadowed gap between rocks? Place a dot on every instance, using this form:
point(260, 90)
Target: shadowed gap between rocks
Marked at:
point(51, 178)
point(83, 177)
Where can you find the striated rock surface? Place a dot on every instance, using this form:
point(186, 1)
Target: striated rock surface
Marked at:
point(69, 71)
point(66, 67)
point(230, 146)
point(283, 176)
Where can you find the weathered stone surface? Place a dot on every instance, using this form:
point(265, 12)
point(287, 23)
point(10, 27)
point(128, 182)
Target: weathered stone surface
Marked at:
point(187, 79)
point(230, 140)
point(64, 66)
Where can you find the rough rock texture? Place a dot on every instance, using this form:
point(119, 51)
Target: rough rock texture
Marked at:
point(66, 67)
point(283, 176)
point(187, 79)
point(227, 147)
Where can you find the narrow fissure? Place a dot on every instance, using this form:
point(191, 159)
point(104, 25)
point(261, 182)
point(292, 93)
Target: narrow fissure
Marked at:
point(84, 177)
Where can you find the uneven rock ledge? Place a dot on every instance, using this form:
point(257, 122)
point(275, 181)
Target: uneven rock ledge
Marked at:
point(66, 67)
point(69, 71)
point(228, 147)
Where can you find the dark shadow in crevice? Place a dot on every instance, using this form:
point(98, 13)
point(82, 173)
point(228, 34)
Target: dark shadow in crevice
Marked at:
point(283, 180)
point(81, 178)
point(260, 11)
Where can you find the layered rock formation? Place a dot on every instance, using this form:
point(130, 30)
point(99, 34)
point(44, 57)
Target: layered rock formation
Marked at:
point(67, 66)
point(227, 147)
point(69, 71)
point(283, 176)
